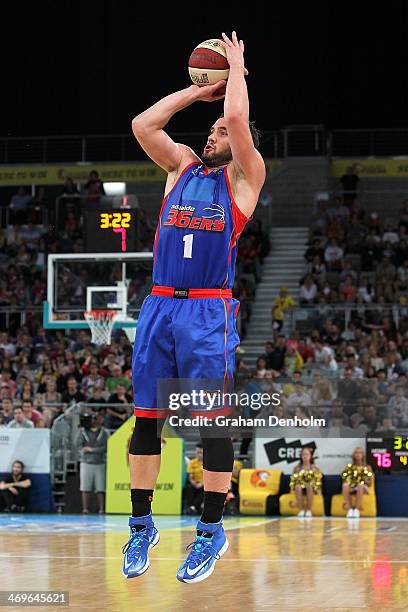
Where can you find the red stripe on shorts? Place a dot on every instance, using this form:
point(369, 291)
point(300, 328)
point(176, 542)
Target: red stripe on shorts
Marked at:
point(192, 293)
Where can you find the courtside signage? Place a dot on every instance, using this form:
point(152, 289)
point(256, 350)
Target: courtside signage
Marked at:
point(168, 491)
point(331, 454)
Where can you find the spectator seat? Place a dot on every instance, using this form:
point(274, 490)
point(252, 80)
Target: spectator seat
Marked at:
point(369, 507)
point(288, 506)
point(255, 486)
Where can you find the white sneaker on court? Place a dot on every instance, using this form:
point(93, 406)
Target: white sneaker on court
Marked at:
point(301, 514)
point(308, 514)
point(350, 513)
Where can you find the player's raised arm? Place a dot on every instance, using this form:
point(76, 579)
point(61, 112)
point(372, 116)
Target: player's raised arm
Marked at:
point(148, 126)
point(246, 158)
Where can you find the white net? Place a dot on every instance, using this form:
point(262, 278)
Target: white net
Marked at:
point(101, 323)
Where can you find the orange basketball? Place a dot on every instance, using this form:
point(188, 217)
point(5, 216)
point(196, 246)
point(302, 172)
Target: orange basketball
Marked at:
point(208, 63)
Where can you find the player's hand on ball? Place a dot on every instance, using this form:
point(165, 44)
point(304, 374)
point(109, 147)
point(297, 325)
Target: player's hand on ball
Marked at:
point(235, 50)
point(210, 93)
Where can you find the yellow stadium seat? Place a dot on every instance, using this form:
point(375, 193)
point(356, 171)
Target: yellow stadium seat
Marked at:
point(369, 507)
point(288, 507)
point(255, 486)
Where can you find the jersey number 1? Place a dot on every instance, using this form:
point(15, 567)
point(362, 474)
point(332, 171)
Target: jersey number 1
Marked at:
point(188, 246)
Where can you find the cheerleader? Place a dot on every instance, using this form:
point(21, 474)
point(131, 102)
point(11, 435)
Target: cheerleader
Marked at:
point(357, 477)
point(305, 481)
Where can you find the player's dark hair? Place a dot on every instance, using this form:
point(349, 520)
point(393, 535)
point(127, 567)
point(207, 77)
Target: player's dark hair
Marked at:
point(199, 445)
point(255, 133)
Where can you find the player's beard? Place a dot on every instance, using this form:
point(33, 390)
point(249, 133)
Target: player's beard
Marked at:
point(213, 160)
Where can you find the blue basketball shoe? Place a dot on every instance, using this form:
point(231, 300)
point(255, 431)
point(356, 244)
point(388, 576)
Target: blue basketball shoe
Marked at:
point(136, 550)
point(204, 552)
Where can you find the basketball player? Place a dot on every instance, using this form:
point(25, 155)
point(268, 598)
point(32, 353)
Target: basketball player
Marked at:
point(186, 328)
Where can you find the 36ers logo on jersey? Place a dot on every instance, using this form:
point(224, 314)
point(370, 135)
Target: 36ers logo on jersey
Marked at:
point(215, 211)
point(212, 219)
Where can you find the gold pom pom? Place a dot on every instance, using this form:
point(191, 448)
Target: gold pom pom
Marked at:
point(294, 480)
point(355, 475)
point(305, 478)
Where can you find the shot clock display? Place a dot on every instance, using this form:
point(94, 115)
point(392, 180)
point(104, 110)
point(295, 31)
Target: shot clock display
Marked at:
point(389, 453)
point(110, 231)
point(115, 220)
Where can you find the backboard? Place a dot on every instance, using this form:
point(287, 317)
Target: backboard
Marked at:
point(77, 282)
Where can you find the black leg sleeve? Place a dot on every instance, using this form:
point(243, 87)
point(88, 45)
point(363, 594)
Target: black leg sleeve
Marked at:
point(146, 437)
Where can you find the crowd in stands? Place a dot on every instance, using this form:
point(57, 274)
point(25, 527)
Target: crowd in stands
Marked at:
point(355, 257)
point(43, 371)
point(34, 229)
point(349, 365)
point(352, 384)
point(351, 370)
point(253, 247)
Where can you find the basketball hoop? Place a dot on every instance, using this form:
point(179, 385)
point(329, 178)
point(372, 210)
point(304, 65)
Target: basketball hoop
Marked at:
point(101, 323)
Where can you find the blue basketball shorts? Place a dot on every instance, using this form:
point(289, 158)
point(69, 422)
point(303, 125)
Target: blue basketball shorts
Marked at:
point(190, 338)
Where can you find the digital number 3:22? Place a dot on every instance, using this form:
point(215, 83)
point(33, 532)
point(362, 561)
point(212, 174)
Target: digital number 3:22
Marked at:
point(115, 220)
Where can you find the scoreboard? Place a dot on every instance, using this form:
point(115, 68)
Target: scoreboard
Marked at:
point(388, 452)
point(111, 231)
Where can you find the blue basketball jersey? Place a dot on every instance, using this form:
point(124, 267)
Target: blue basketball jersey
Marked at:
point(199, 225)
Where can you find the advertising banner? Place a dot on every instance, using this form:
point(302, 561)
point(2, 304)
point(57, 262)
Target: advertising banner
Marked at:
point(31, 446)
point(168, 491)
point(372, 168)
point(140, 172)
point(330, 454)
point(55, 174)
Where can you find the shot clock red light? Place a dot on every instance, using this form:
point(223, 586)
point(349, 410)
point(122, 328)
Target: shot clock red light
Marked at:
point(111, 231)
point(122, 231)
point(118, 222)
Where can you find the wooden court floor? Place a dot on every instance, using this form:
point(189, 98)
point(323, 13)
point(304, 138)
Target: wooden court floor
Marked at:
point(272, 564)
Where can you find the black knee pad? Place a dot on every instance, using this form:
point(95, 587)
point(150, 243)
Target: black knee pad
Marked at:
point(218, 454)
point(146, 437)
